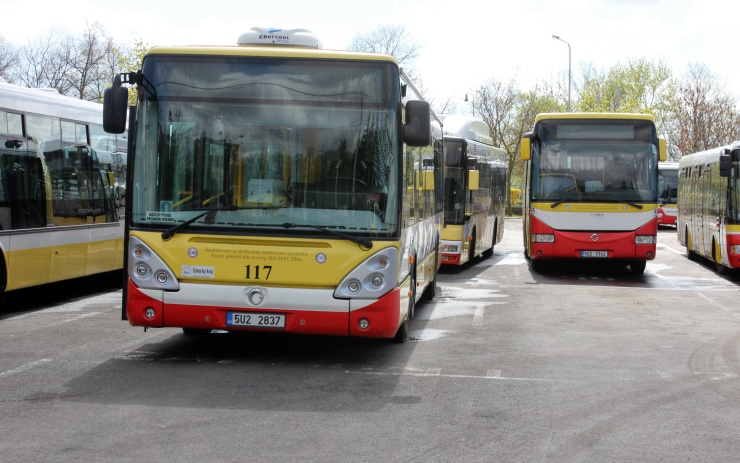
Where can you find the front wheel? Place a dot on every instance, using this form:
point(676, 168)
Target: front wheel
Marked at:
point(638, 267)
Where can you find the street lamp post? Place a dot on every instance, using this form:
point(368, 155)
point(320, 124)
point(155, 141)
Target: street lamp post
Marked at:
point(557, 37)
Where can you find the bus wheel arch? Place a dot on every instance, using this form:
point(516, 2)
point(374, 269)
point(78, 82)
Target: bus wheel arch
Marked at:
point(717, 258)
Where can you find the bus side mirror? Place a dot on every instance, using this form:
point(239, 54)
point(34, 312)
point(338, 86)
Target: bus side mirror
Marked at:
point(662, 151)
point(725, 163)
point(418, 128)
point(473, 180)
point(115, 104)
point(525, 148)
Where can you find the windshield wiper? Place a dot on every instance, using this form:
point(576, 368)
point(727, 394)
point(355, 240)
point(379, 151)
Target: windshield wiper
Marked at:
point(355, 239)
point(624, 201)
point(210, 214)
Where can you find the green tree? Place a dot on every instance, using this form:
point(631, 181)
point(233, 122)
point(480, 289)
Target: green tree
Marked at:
point(126, 59)
point(639, 86)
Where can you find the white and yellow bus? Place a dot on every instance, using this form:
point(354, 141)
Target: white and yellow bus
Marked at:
point(475, 191)
point(278, 186)
point(591, 188)
point(58, 208)
point(709, 206)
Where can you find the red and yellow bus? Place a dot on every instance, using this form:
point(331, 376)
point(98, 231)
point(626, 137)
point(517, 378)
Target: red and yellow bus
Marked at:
point(709, 206)
point(278, 186)
point(591, 188)
point(668, 193)
point(60, 183)
point(475, 191)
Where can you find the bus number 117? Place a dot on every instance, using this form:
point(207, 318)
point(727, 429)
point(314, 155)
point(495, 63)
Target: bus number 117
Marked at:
point(253, 272)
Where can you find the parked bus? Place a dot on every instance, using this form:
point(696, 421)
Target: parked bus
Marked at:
point(668, 196)
point(709, 206)
point(58, 211)
point(475, 191)
point(591, 188)
point(278, 186)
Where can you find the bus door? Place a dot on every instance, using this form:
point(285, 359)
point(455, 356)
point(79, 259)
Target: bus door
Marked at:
point(708, 209)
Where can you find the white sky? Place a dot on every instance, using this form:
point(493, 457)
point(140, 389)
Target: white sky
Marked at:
point(463, 44)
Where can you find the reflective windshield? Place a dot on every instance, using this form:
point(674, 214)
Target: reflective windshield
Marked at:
point(271, 141)
point(454, 181)
point(668, 185)
point(595, 160)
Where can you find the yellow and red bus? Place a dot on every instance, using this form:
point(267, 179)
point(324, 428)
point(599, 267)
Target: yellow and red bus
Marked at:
point(591, 188)
point(668, 193)
point(475, 191)
point(59, 205)
point(278, 186)
point(709, 206)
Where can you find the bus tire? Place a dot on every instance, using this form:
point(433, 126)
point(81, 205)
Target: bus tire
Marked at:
point(689, 252)
point(195, 331)
point(638, 267)
point(431, 290)
point(717, 258)
point(489, 252)
point(402, 335)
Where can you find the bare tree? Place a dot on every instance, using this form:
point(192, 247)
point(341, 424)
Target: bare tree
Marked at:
point(90, 70)
point(707, 117)
point(8, 58)
point(45, 62)
point(391, 40)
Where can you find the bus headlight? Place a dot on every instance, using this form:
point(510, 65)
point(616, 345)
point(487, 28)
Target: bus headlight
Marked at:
point(372, 278)
point(542, 238)
point(645, 239)
point(449, 248)
point(147, 269)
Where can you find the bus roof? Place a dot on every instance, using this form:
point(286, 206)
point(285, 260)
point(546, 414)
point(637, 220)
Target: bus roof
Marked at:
point(468, 127)
point(623, 116)
point(49, 102)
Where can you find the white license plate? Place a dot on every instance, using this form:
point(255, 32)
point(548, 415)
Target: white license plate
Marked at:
point(260, 320)
point(594, 254)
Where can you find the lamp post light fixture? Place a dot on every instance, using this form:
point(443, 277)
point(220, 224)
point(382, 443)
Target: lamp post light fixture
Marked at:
point(557, 37)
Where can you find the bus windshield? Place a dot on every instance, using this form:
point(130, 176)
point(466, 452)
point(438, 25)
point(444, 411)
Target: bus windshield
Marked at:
point(454, 181)
point(595, 161)
point(668, 185)
point(268, 142)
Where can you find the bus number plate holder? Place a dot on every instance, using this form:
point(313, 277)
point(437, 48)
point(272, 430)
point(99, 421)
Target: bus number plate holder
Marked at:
point(257, 320)
point(594, 254)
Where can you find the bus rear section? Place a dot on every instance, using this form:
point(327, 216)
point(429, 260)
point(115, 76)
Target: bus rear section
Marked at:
point(591, 188)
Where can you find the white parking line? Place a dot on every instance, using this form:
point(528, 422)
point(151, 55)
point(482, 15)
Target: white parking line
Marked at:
point(25, 367)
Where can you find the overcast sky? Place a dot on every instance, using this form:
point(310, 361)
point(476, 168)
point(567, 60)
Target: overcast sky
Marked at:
point(461, 47)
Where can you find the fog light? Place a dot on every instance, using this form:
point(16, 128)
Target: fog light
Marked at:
point(149, 313)
point(377, 281)
point(364, 323)
point(141, 270)
point(353, 286)
point(161, 278)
